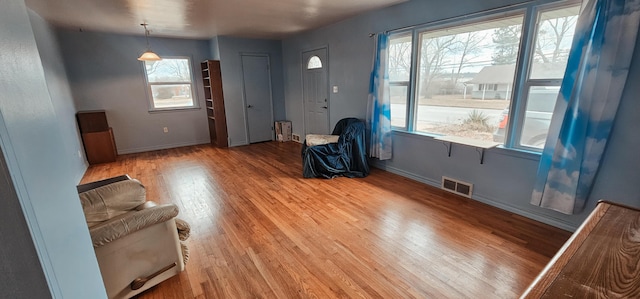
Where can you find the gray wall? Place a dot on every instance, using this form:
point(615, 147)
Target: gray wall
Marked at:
point(42, 174)
point(506, 178)
point(104, 74)
point(230, 49)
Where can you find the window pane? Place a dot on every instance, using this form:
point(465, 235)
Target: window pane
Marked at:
point(553, 42)
point(540, 104)
point(399, 68)
point(172, 95)
point(398, 95)
point(314, 63)
point(168, 70)
point(465, 77)
point(400, 58)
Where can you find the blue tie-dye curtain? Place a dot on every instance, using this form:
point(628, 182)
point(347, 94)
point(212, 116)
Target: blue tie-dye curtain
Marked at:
point(379, 106)
point(596, 74)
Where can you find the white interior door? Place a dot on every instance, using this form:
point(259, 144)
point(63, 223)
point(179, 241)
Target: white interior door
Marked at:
point(257, 93)
point(315, 91)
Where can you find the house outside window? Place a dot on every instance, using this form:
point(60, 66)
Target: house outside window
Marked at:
point(170, 84)
point(460, 78)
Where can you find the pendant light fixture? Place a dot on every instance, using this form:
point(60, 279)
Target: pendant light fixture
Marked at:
point(148, 55)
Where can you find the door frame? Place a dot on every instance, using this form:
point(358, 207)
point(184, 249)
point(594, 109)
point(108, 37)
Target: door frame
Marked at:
point(303, 66)
point(244, 95)
point(14, 176)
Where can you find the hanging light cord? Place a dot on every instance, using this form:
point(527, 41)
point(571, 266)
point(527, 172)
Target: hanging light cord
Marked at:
point(148, 55)
point(146, 34)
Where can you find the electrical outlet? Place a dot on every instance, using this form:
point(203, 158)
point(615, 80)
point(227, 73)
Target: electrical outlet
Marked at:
point(165, 129)
point(335, 89)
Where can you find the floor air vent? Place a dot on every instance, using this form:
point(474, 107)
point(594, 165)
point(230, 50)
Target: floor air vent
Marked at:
point(295, 137)
point(457, 187)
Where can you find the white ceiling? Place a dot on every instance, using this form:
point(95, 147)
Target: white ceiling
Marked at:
point(202, 18)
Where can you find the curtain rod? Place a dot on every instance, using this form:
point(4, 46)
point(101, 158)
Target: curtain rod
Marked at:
point(471, 15)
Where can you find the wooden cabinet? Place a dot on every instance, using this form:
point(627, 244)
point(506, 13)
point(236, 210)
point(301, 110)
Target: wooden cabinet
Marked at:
point(100, 147)
point(600, 260)
point(214, 99)
point(97, 137)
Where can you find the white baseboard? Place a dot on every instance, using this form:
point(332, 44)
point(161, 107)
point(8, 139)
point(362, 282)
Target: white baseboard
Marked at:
point(550, 221)
point(407, 174)
point(234, 144)
point(160, 147)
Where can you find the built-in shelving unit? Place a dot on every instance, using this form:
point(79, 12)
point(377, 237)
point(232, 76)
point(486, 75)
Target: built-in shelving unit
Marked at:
point(212, 82)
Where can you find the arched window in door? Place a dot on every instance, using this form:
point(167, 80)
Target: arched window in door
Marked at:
point(314, 63)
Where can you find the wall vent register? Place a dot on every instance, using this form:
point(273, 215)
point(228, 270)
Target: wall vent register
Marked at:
point(458, 187)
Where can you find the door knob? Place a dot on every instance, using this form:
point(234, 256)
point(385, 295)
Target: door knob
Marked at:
point(249, 106)
point(325, 107)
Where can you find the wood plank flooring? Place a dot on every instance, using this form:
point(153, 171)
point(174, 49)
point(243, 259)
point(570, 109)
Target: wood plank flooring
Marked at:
point(259, 230)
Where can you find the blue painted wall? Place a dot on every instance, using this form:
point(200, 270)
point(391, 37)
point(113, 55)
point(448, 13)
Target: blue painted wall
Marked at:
point(230, 49)
point(104, 74)
point(56, 77)
point(506, 178)
point(40, 168)
point(215, 51)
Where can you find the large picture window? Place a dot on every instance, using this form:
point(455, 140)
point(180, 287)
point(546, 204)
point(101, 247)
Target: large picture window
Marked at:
point(170, 84)
point(460, 78)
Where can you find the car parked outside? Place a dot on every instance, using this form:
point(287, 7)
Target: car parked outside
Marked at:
point(540, 105)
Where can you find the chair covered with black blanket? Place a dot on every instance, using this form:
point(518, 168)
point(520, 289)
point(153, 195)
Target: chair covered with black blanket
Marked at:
point(346, 157)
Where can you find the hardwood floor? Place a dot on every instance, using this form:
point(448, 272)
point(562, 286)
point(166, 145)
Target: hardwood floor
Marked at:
point(259, 230)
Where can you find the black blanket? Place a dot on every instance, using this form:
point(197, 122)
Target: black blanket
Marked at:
point(346, 158)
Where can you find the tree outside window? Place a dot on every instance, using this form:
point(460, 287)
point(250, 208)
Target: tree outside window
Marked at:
point(170, 84)
point(465, 73)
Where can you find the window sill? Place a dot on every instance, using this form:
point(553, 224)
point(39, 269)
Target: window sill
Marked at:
point(516, 152)
point(500, 149)
point(175, 109)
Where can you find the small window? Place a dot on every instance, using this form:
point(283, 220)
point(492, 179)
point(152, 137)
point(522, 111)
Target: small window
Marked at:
point(314, 63)
point(170, 84)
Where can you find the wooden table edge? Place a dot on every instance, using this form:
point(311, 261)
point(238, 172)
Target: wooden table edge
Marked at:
point(549, 274)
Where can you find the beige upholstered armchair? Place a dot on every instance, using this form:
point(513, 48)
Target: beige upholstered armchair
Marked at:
point(137, 242)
